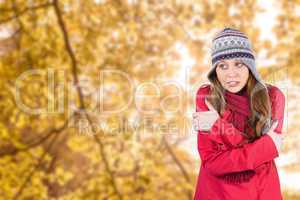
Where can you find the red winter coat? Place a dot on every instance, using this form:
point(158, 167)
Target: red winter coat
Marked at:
point(255, 160)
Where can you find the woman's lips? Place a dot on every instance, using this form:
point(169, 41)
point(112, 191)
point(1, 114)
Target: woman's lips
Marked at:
point(232, 83)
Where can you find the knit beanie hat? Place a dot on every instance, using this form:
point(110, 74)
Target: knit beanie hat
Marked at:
point(232, 43)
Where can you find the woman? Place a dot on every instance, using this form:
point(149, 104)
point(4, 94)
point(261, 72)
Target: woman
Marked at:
point(239, 121)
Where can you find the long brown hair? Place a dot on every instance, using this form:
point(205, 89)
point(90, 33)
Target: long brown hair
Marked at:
point(259, 102)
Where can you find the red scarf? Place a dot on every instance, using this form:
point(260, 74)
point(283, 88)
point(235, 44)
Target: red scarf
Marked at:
point(238, 104)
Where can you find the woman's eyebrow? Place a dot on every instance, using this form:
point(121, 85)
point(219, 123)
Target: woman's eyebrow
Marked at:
point(237, 61)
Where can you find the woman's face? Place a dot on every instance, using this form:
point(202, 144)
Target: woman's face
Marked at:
point(232, 74)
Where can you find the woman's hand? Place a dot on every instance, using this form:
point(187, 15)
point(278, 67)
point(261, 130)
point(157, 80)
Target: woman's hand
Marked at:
point(277, 138)
point(204, 120)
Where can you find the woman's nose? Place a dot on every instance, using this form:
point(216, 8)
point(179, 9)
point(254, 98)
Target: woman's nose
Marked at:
point(232, 72)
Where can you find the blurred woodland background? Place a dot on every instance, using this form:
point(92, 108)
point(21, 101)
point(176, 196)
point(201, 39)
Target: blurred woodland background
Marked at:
point(96, 96)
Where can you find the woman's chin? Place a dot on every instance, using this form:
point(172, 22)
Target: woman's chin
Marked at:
point(233, 89)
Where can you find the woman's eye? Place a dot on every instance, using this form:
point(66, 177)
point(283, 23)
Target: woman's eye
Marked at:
point(239, 64)
point(222, 66)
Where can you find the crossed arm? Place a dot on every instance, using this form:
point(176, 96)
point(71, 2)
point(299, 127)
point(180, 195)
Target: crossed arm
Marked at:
point(219, 159)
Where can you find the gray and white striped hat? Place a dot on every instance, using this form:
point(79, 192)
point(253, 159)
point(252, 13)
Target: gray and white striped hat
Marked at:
point(232, 43)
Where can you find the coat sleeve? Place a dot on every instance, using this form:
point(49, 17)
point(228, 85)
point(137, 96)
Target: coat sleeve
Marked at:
point(219, 159)
point(278, 105)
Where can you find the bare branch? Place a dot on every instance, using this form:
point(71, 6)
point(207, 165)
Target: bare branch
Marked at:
point(24, 11)
point(80, 94)
point(178, 163)
point(32, 172)
point(12, 150)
